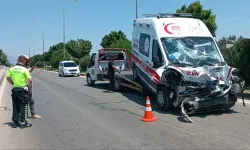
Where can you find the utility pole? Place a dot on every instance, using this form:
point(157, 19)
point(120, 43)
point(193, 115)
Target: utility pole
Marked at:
point(29, 51)
point(136, 9)
point(63, 8)
point(43, 47)
point(34, 47)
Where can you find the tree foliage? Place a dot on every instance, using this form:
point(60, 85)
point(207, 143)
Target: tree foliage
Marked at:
point(124, 43)
point(52, 49)
point(204, 15)
point(238, 56)
point(35, 59)
point(79, 48)
point(57, 56)
point(229, 40)
point(3, 58)
point(112, 37)
point(84, 62)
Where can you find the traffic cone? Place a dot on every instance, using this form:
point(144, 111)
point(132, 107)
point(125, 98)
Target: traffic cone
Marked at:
point(148, 116)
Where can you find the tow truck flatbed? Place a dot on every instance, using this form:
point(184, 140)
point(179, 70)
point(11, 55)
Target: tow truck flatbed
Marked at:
point(125, 79)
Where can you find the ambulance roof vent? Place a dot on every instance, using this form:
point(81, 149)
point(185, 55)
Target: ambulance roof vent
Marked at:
point(168, 15)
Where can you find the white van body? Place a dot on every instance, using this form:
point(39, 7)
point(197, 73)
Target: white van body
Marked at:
point(68, 68)
point(149, 31)
point(98, 64)
point(180, 44)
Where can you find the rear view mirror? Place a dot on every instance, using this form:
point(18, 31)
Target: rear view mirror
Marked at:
point(156, 61)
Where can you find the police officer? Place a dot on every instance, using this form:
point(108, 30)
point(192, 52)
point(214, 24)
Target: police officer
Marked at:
point(31, 99)
point(20, 78)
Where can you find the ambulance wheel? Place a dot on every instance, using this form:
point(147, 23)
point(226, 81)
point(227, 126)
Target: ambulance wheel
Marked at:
point(163, 99)
point(90, 81)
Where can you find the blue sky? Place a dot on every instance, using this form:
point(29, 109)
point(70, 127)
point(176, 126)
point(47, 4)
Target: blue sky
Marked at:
point(92, 19)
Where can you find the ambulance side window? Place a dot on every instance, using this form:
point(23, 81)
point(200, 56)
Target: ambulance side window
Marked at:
point(144, 44)
point(156, 51)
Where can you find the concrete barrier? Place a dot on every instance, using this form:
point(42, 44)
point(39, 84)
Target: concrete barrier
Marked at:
point(2, 86)
point(2, 75)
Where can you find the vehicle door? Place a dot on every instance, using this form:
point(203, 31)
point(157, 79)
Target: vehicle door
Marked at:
point(145, 70)
point(60, 67)
point(157, 61)
point(91, 69)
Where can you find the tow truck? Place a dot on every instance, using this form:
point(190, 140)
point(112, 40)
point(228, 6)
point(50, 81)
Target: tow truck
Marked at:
point(97, 69)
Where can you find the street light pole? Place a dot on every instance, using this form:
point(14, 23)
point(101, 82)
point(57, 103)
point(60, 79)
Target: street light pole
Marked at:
point(43, 47)
point(63, 32)
point(29, 51)
point(63, 27)
point(136, 9)
point(34, 47)
point(62, 4)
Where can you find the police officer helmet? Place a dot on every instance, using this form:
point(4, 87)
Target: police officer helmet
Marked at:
point(26, 58)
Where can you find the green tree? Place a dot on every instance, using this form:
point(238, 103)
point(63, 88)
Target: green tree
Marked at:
point(112, 37)
point(57, 56)
point(228, 40)
point(84, 62)
point(52, 49)
point(79, 48)
point(205, 15)
point(238, 56)
point(39, 64)
point(123, 43)
point(3, 58)
point(34, 59)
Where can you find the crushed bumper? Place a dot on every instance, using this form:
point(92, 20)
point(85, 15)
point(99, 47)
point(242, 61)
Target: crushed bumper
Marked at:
point(210, 104)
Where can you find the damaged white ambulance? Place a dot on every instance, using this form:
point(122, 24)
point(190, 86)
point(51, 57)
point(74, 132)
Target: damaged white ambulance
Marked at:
point(177, 58)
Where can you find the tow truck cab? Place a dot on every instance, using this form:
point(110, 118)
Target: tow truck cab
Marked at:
point(97, 69)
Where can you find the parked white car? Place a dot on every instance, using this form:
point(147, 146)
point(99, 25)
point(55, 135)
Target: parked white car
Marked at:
point(68, 68)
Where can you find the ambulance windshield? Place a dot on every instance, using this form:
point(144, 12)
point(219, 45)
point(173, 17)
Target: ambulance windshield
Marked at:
point(192, 51)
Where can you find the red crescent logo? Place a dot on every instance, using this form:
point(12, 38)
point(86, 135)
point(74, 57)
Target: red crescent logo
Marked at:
point(166, 28)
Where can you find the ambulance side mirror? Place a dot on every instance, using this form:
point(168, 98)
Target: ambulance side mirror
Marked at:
point(156, 61)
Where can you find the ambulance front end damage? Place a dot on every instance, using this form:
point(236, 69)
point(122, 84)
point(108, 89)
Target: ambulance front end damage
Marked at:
point(199, 81)
point(200, 90)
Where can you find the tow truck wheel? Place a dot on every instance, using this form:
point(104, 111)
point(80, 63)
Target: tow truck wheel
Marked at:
point(163, 99)
point(90, 81)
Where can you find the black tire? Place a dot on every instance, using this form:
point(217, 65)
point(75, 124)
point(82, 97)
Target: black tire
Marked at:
point(90, 82)
point(232, 101)
point(163, 99)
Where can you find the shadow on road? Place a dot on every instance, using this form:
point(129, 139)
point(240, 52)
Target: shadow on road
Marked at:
point(140, 99)
point(8, 123)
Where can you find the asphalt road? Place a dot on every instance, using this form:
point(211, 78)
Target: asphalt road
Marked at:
point(75, 116)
